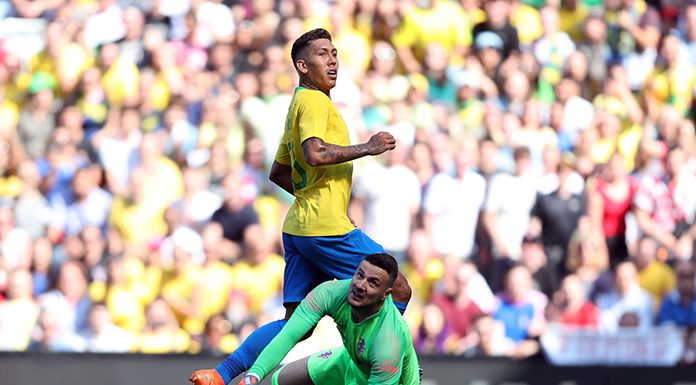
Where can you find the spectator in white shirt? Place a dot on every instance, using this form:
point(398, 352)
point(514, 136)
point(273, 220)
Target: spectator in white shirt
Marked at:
point(103, 335)
point(627, 297)
point(386, 199)
point(452, 204)
point(507, 213)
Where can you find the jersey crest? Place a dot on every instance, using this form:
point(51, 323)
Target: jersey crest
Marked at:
point(361, 345)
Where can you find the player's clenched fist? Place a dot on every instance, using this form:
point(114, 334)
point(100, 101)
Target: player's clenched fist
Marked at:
point(249, 380)
point(381, 142)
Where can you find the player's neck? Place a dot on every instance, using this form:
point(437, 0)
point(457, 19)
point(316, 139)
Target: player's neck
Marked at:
point(305, 83)
point(360, 314)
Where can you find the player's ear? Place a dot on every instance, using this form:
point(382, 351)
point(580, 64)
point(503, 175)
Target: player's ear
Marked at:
point(301, 65)
point(386, 293)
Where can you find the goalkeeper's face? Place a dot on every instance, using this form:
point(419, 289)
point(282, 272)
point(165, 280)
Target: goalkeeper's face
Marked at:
point(369, 286)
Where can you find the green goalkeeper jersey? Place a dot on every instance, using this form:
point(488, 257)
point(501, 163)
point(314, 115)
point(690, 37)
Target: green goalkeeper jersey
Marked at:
point(380, 346)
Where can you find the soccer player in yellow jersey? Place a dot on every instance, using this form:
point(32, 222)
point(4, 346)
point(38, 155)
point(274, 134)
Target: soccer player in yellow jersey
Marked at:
point(313, 162)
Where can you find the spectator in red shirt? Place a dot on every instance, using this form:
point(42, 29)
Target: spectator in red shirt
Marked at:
point(666, 207)
point(610, 198)
point(458, 307)
point(570, 306)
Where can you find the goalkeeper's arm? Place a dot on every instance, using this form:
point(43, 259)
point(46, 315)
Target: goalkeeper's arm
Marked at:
point(317, 304)
point(289, 336)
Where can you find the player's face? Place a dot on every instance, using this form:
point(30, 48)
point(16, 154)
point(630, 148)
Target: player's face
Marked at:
point(369, 286)
point(320, 64)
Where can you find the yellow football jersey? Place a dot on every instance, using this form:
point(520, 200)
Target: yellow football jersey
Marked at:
point(321, 193)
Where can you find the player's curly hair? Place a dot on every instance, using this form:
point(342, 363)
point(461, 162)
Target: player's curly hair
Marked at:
point(387, 263)
point(305, 40)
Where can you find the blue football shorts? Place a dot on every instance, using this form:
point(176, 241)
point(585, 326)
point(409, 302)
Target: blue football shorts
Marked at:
point(310, 261)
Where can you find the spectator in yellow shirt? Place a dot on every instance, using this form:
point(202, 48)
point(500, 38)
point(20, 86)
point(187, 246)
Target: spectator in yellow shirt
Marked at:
point(217, 277)
point(120, 78)
point(18, 313)
point(125, 293)
point(611, 139)
point(63, 58)
point(162, 333)
point(156, 183)
point(672, 80)
point(527, 21)
point(656, 277)
point(573, 14)
point(137, 220)
point(473, 11)
point(259, 273)
point(348, 39)
point(11, 185)
point(179, 291)
point(423, 268)
point(431, 21)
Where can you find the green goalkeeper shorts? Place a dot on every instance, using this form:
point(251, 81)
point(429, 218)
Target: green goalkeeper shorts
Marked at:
point(328, 367)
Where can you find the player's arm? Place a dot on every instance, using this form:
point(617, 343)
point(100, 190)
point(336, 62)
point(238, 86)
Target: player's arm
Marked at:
point(319, 153)
point(281, 171)
point(313, 119)
point(281, 175)
point(271, 356)
point(387, 362)
point(392, 357)
point(317, 304)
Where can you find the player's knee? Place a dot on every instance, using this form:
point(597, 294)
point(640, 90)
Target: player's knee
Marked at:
point(309, 334)
point(401, 289)
point(289, 309)
point(294, 373)
point(276, 376)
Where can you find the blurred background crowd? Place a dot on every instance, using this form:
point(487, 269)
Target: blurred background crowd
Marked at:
point(545, 172)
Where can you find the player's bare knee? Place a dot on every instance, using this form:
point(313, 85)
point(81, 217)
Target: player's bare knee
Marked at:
point(290, 308)
point(309, 334)
point(401, 289)
point(295, 373)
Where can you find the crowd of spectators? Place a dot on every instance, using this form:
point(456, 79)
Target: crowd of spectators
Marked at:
point(545, 171)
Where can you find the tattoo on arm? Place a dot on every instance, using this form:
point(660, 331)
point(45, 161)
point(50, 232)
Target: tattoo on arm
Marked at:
point(338, 154)
point(319, 153)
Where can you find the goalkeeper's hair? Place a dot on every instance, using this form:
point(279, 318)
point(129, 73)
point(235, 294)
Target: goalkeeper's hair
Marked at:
point(305, 40)
point(387, 263)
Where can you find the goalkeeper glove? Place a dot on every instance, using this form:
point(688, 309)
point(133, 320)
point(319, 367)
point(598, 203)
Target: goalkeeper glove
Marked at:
point(250, 379)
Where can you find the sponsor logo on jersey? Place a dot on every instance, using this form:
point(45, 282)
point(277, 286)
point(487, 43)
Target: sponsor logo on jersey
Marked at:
point(326, 354)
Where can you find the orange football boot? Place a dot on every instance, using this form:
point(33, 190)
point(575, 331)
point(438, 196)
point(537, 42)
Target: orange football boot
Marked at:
point(206, 377)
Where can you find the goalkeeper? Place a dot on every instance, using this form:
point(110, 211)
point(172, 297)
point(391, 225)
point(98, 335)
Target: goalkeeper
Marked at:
point(377, 344)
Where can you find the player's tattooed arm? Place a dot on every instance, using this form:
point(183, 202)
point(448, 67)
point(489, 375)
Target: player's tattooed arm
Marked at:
point(319, 153)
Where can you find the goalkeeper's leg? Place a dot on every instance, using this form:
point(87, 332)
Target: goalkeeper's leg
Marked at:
point(322, 368)
point(294, 373)
point(242, 358)
point(300, 278)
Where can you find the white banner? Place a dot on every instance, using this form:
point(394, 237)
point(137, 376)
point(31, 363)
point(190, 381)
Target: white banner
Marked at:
point(659, 346)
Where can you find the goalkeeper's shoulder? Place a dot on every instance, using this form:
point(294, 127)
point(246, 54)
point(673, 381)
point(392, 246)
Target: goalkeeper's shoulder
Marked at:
point(333, 288)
